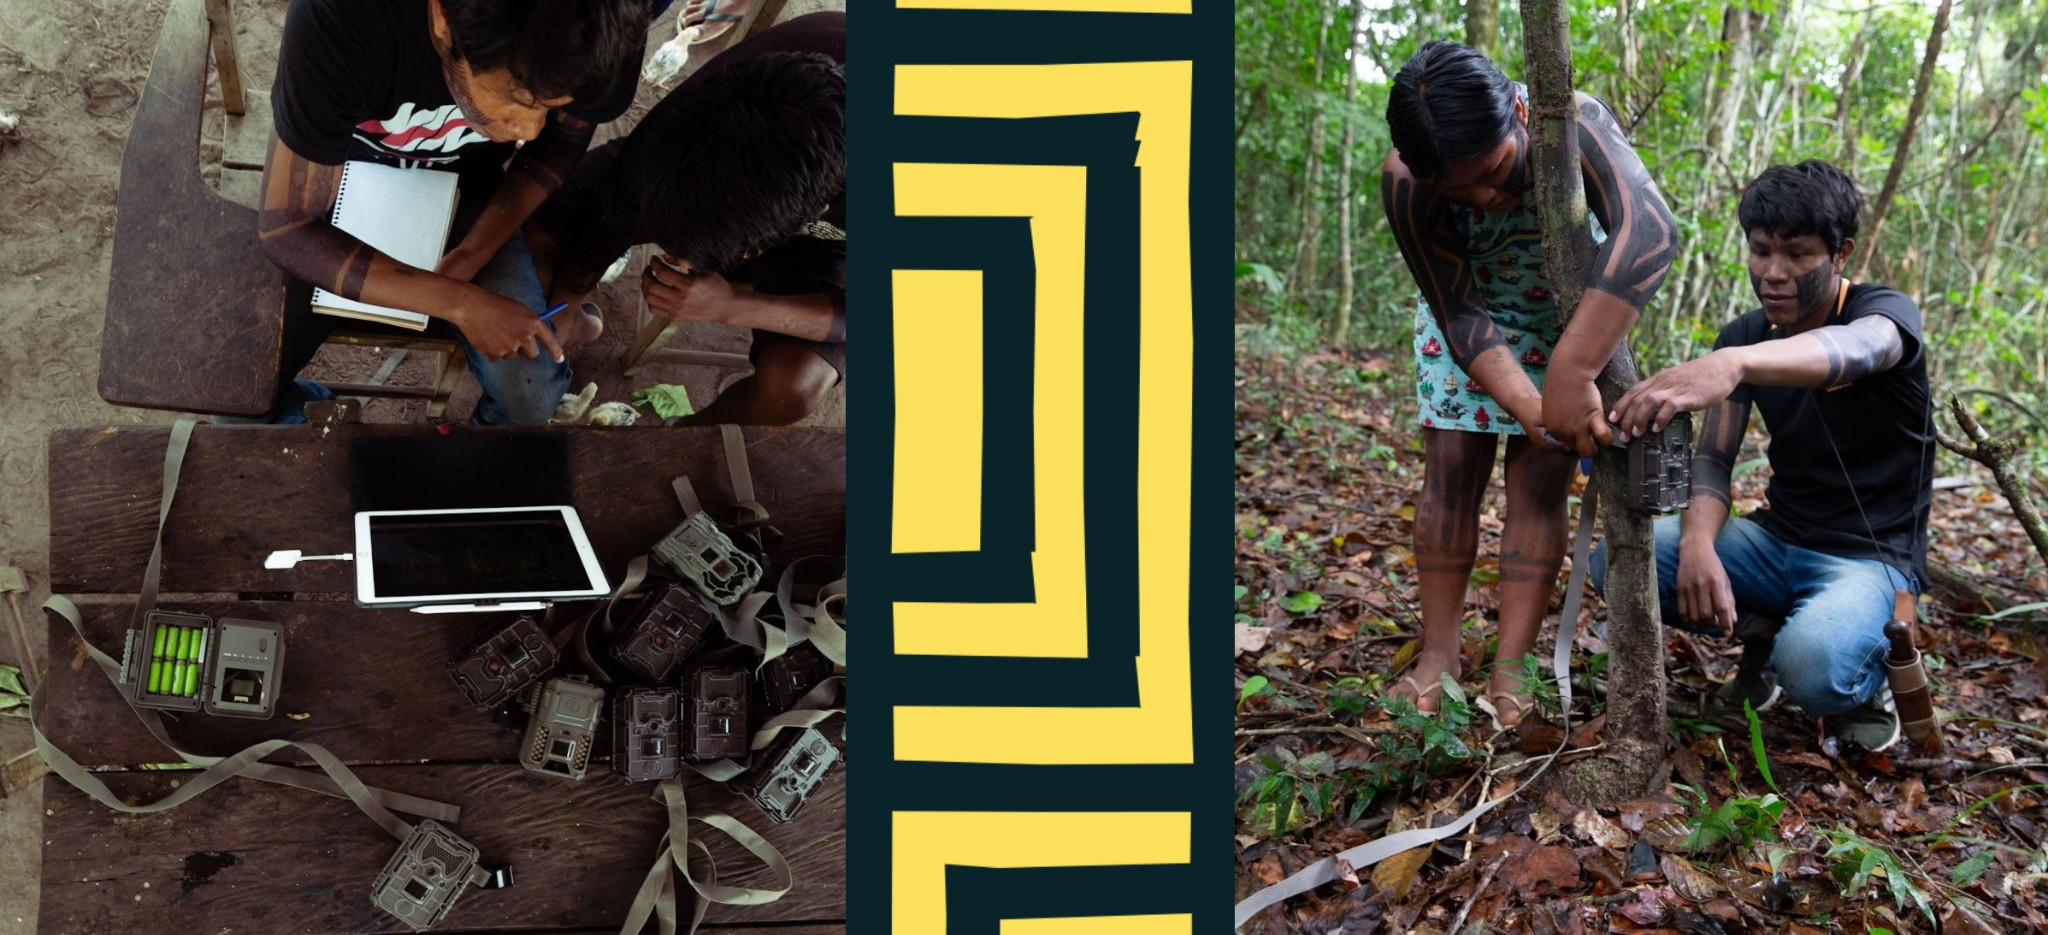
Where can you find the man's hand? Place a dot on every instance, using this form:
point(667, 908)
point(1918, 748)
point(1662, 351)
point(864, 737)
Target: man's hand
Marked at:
point(1571, 413)
point(499, 327)
point(1689, 387)
point(1704, 596)
point(685, 296)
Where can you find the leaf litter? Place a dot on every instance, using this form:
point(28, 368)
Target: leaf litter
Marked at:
point(1329, 470)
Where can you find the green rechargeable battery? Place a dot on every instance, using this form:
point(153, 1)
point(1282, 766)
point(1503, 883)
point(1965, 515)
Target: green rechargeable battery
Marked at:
point(163, 637)
point(187, 639)
point(188, 678)
point(156, 675)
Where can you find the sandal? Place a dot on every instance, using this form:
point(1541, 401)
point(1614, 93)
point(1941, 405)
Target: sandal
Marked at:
point(1418, 694)
point(718, 17)
point(1496, 704)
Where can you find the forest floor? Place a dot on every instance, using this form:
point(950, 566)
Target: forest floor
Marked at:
point(1758, 829)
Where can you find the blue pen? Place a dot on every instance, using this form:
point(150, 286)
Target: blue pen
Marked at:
point(550, 313)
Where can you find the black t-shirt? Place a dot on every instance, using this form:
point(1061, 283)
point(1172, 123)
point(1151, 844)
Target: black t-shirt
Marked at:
point(594, 221)
point(359, 79)
point(1879, 424)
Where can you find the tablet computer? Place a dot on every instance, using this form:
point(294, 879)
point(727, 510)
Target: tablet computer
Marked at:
point(502, 558)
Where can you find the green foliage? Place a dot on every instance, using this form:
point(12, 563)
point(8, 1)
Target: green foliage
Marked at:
point(1739, 821)
point(1533, 681)
point(1756, 746)
point(1958, 235)
point(1857, 862)
point(1349, 695)
point(1256, 685)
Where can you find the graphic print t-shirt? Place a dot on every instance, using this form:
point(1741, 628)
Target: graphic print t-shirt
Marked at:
point(359, 79)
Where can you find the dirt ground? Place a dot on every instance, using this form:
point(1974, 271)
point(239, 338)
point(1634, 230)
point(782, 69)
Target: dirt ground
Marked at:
point(73, 70)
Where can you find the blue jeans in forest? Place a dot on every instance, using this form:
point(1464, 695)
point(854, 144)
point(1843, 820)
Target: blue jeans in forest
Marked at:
point(1829, 655)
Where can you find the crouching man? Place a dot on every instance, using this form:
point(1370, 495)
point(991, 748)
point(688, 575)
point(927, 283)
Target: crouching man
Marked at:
point(1839, 372)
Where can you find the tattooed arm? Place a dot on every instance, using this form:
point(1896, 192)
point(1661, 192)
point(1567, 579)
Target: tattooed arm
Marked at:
point(1824, 357)
point(1641, 241)
point(540, 168)
point(293, 229)
point(1704, 596)
point(1421, 220)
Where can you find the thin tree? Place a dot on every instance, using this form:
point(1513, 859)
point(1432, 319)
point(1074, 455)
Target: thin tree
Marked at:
point(1882, 205)
point(1636, 727)
point(1482, 26)
point(1303, 271)
point(1345, 294)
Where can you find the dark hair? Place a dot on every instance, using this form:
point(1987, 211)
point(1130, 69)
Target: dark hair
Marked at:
point(740, 161)
point(1448, 104)
point(553, 48)
point(1812, 197)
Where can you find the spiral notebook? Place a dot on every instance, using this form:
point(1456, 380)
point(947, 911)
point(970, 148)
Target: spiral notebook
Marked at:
point(405, 213)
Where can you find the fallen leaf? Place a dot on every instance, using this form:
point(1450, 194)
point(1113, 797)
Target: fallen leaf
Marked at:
point(1588, 825)
point(1268, 869)
point(1542, 871)
point(1648, 906)
point(1642, 861)
point(1687, 880)
point(1393, 875)
point(1546, 823)
point(1637, 813)
point(1252, 639)
point(1961, 921)
point(2000, 754)
point(1347, 875)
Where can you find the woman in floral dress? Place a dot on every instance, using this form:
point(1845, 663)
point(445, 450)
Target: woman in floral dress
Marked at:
point(1490, 358)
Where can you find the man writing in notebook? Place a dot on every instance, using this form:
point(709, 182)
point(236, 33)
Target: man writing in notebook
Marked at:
point(453, 85)
point(1839, 372)
point(739, 176)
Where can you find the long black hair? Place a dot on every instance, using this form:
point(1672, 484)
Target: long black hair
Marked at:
point(1448, 104)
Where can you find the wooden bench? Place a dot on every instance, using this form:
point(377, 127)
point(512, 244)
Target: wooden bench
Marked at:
point(370, 686)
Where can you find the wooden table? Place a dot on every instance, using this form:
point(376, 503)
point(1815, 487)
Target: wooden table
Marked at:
point(370, 686)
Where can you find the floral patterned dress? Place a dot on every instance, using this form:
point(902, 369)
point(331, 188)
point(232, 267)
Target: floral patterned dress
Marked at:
point(1506, 253)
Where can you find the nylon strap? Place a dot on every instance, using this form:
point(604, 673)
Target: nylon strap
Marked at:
point(742, 478)
point(339, 781)
point(813, 623)
point(1374, 851)
point(658, 891)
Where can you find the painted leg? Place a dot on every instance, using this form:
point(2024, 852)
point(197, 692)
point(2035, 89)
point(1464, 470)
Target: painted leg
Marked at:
point(1456, 468)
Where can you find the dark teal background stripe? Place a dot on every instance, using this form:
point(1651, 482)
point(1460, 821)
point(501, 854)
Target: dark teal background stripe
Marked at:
point(883, 37)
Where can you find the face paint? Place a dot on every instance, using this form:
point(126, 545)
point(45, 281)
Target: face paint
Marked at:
point(1816, 291)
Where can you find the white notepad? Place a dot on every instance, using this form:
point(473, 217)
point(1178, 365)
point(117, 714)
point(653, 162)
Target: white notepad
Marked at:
point(404, 213)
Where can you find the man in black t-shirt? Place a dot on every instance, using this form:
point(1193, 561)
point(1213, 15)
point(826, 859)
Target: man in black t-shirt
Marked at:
point(739, 176)
point(1839, 371)
point(456, 85)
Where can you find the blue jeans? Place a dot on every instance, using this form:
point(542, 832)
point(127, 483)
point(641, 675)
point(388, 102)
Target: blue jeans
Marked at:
point(516, 390)
point(1829, 655)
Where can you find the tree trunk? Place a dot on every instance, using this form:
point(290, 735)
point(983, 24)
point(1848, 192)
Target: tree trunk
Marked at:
point(1636, 730)
point(1857, 50)
point(1345, 294)
point(1880, 207)
point(1724, 109)
point(1304, 267)
point(1482, 26)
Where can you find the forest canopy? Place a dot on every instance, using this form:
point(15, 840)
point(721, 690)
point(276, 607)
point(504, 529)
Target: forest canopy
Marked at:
point(1710, 93)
